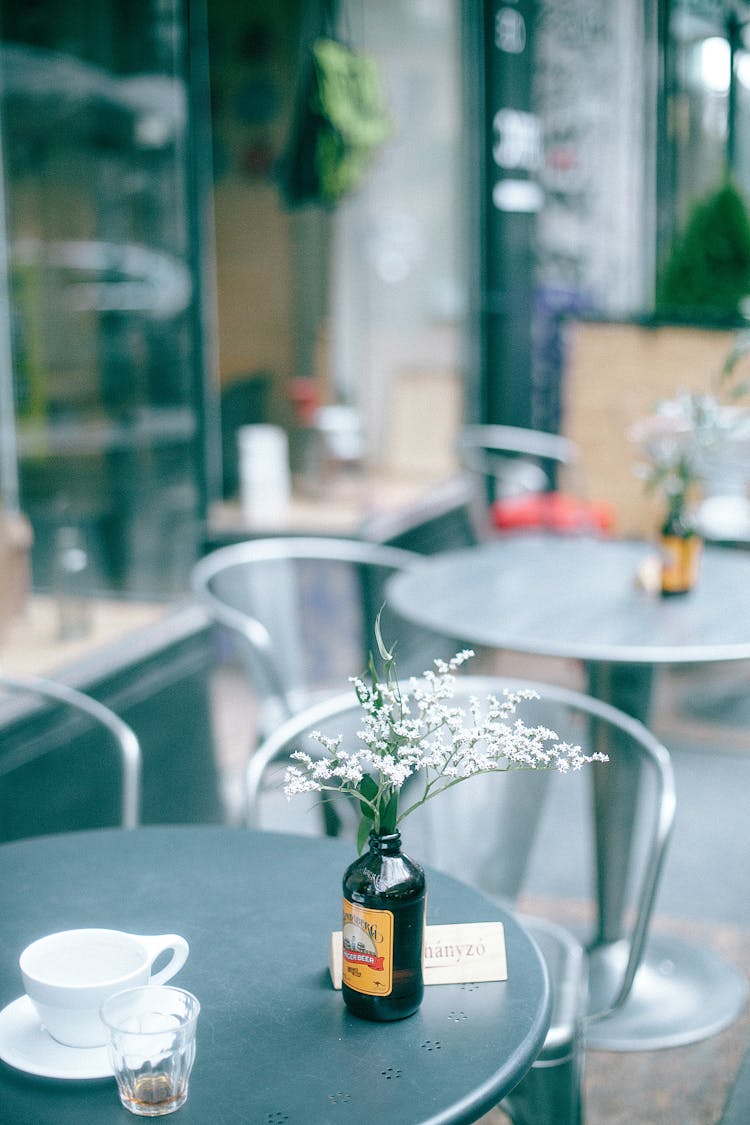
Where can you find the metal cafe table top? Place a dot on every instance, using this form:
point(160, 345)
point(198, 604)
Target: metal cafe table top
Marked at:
point(275, 1041)
point(578, 597)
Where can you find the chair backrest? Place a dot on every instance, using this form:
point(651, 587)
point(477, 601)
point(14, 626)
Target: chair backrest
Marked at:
point(303, 610)
point(513, 460)
point(484, 829)
point(47, 726)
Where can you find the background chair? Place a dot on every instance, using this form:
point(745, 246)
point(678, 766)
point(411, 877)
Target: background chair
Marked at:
point(483, 831)
point(50, 751)
point(302, 613)
point(529, 479)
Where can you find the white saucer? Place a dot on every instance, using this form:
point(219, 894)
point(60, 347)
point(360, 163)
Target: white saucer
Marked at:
point(25, 1045)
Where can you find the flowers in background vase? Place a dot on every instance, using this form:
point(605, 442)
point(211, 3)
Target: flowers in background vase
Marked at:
point(415, 730)
point(673, 443)
point(683, 440)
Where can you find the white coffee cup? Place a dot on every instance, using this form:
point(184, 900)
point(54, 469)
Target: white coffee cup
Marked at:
point(69, 975)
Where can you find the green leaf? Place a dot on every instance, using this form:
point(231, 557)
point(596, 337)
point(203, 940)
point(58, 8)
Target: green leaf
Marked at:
point(373, 674)
point(740, 389)
point(367, 788)
point(363, 832)
point(389, 814)
point(384, 652)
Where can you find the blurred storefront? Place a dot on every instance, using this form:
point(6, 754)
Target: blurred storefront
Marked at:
point(106, 264)
point(165, 288)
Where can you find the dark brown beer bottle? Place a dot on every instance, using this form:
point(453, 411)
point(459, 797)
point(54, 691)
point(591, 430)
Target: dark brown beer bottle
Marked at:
point(383, 931)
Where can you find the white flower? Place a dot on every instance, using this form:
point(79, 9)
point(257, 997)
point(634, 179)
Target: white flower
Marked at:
point(417, 730)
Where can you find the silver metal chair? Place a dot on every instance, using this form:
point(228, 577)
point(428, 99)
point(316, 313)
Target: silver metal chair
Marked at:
point(527, 478)
point(302, 609)
point(300, 612)
point(18, 693)
point(493, 823)
point(513, 459)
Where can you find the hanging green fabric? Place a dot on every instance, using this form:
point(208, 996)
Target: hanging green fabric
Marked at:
point(347, 96)
point(341, 122)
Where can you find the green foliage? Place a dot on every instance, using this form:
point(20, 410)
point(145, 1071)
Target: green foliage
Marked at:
point(341, 121)
point(708, 272)
point(353, 121)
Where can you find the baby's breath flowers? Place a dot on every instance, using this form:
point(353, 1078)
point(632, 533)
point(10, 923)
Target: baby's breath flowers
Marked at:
point(414, 731)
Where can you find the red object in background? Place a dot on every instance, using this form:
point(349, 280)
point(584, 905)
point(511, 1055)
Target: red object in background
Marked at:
point(552, 511)
point(306, 400)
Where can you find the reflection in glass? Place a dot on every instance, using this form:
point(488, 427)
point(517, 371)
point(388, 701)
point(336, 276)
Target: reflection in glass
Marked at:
point(103, 287)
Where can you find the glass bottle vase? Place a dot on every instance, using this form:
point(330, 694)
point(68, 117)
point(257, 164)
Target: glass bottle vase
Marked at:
point(680, 553)
point(383, 931)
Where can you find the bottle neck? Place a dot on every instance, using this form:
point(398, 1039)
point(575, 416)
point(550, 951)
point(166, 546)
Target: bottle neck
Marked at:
point(387, 843)
point(676, 522)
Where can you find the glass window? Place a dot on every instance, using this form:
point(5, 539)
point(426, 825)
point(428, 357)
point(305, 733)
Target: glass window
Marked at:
point(104, 293)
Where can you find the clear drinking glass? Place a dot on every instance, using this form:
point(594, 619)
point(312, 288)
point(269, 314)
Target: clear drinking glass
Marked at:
point(152, 1046)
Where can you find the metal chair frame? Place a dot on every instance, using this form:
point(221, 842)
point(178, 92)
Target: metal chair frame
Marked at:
point(125, 739)
point(250, 626)
point(482, 447)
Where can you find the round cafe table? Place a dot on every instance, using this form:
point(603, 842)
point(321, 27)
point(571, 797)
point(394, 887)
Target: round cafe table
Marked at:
point(275, 1041)
point(577, 597)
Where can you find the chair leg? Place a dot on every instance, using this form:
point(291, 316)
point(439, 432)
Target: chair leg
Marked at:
point(550, 1094)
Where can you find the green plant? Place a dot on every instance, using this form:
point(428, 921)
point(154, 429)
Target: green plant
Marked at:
point(707, 274)
point(677, 440)
point(671, 442)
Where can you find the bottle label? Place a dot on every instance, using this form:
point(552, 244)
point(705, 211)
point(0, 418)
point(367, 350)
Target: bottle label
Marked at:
point(680, 562)
point(367, 941)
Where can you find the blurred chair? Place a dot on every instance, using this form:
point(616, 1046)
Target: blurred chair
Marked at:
point(302, 611)
point(42, 720)
point(518, 475)
point(483, 831)
point(444, 518)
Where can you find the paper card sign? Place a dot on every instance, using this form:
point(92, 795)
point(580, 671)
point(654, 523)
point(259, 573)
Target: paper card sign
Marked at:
point(460, 953)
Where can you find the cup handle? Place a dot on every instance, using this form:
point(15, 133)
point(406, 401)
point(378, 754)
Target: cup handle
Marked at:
point(160, 943)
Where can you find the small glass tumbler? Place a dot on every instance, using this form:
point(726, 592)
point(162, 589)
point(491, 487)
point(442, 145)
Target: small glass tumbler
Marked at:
point(152, 1046)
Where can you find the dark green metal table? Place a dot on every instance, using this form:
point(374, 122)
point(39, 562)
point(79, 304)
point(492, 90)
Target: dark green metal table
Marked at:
point(275, 1042)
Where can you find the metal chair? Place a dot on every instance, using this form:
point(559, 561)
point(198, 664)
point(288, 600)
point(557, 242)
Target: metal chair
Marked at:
point(302, 610)
point(518, 474)
point(31, 731)
point(515, 459)
point(493, 823)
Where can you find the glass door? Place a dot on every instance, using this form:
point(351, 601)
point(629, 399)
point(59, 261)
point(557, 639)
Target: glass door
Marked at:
point(104, 260)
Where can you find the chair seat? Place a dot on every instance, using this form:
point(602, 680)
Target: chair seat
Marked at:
point(553, 511)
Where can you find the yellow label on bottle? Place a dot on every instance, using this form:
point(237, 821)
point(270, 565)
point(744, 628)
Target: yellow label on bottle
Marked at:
point(367, 940)
point(680, 563)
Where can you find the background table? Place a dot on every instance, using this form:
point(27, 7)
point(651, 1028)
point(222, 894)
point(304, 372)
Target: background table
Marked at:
point(275, 1041)
point(578, 597)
